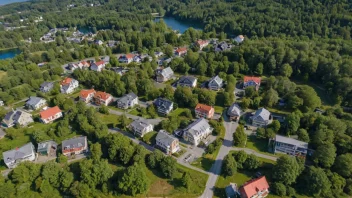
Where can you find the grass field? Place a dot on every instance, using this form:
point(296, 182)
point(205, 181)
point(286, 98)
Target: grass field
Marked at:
point(2, 74)
point(259, 145)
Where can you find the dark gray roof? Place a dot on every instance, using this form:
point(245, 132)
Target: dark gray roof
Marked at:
point(128, 97)
point(162, 102)
point(231, 190)
point(187, 80)
point(291, 141)
point(18, 153)
point(165, 138)
point(234, 110)
point(47, 84)
point(216, 79)
point(34, 100)
point(14, 116)
point(75, 142)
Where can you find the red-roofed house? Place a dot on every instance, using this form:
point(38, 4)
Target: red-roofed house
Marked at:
point(50, 114)
point(181, 51)
point(202, 43)
point(83, 65)
point(251, 81)
point(128, 58)
point(102, 98)
point(86, 95)
point(98, 66)
point(258, 188)
point(68, 85)
point(204, 111)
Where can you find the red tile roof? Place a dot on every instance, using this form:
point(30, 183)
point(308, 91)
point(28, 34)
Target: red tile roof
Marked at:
point(84, 63)
point(181, 49)
point(50, 112)
point(241, 36)
point(128, 56)
point(102, 95)
point(251, 78)
point(252, 187)
point(85, 93)
point(66, 81)
point(203, 107)
point(100, 63)
point(202, 42)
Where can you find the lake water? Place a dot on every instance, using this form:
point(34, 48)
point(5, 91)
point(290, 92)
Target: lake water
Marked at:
point(179, 25)
point(10, 53)
point(4, 2)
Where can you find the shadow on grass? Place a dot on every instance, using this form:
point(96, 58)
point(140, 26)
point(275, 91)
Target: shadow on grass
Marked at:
point(204, 163)
point(260, 144)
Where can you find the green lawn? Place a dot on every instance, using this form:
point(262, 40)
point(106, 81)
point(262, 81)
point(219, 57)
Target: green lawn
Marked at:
point(322, 93)
point(111, 120)
point(149, 138)
point(219, 109)
point(259, 145)
point(138, 112)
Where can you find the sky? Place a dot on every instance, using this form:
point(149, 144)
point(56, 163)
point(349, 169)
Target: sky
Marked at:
point(3, 2)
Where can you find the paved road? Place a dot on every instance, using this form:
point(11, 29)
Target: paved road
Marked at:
point(216, 168)
point(250, 151)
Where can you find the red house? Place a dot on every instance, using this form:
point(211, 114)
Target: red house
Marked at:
point(86, 95)
point(202, 43)
point(255, 188)
point(181, 51)
point(102, 98)
point(204, 111)
point(251, 81)
point(50, 114)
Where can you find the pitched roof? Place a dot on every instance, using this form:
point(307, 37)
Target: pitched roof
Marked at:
point(86, 92)
point(165, 138)
point(18, 153)
point(102, 95)
point(99, 63)
point(200, 125)
point(46, 144)
point(263, 113)
point(216, 79)
point(84, 63)
point(181, 49)
point(291, 141)
point(240, 36)
point(139, 124)
point(14, 116)
point(46, 84)
point(252, 187)
point(128, 56)
point(66, 81)
point(187, 79)
point(128, 97)
point(164, 103)
point(202, 42)
point(34, 100)
point(203, 107)
point(49, 112)
point(75, 142)
point(234, 110)
point(252, 78)
point(167, 72)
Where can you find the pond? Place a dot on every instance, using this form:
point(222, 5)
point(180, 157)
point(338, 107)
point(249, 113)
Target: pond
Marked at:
point(9, 53)
point(85, 29)
point(179, 25)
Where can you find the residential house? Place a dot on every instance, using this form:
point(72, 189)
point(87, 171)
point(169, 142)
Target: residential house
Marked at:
point(261, 118)
point(46, 87)
point(35, 103)
point(167, 143)
point(68, 85)
point(13, 157)
point(202, 43)
point(19, 117)
point(251, 81)
point(239, 39)
point(137, 59)
point(84, 65)
point(128, 58)
point(86, 95)
point(47, 148)
point(222, 46)
point(2, 103)
point(158, 54)
point(75, 146)
point(72, 66)
point(204, 111)
point(2, 133)
point(255, 188)
point(163, 75)
point(140, 127)
point(187, 81)
point(231, 191)
point(50, 114)
point(127, 101)
point(181, 51)
point(290, 146)
point(164, 106)
point(98, 66)
point(120, 70)
point(102, 98)
point(112, 43)
point(215, 83)
point(98, 42)
point(234, 112)
point(197, 131)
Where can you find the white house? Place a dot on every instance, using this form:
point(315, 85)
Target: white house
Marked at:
point(35, 103)
point(215, 83)
point(98, 66)
point(197, 131)
point(127, 101)
point(19, 117)
point(239, 39)
point(261, 118)
point(68, 85)
point(2, 103)
point(50, 114)
point(13, 157)
point(128, 58)
point(167, 143)
point(140, 127)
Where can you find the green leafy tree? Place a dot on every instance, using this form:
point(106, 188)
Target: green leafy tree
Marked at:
point(154, 159)
point(270, 98)
point(343, 165)
point(292, 123)
point(168, 167)
point(96, 152)
point(286, 170)
point(315, 182)
point(239, 137)
point(324, 156)
point(286, 70)
point(252, 162)
point(80, 190)
point(279, 189)
point(134, 181)
point(95, 173)
point(229, 166)
point(303, 135)
point(186, 180)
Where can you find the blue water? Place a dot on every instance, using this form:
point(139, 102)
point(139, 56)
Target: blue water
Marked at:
point(179, 25)
point(4, 54)
point(4, 2)
point(85, 30)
